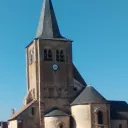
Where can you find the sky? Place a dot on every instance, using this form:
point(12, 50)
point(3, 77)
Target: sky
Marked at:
point(99, 29)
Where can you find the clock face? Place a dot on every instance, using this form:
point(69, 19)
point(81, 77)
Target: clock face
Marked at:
point(55, 67)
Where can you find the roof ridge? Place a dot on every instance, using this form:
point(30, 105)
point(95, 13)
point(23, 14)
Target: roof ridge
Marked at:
point(56, 112)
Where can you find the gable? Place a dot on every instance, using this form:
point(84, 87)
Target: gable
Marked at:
point(22, 110)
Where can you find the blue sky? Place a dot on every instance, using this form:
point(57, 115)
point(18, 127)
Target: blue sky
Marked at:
point(99, 29)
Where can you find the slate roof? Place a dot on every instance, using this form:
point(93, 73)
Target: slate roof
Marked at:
point(48, 26)
point(77, 76)
point(118, 115)
point(13, 117)
point(89, 95)
point(56, 112)
point(120, 106)
point(118, 110)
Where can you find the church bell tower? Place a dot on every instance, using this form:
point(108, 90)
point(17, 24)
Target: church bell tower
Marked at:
point(52, 78)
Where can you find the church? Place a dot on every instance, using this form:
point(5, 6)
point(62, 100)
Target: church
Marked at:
point(57, 95)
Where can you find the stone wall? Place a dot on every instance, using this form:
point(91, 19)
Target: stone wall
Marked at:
point(81, 116)
point(116, 123)
point(57, 122)
point(27, 118)
point(13, 124)
point(105, 109)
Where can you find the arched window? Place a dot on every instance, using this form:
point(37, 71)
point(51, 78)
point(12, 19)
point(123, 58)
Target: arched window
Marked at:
point(33, 110)
point(120, 125)
point(100, 117)
point(75, 89)
point(47, 55)
point(31, 56)
point(59, 55)
point(60, 125)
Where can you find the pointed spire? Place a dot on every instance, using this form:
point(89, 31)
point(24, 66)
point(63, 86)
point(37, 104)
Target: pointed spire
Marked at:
point(48, 27)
